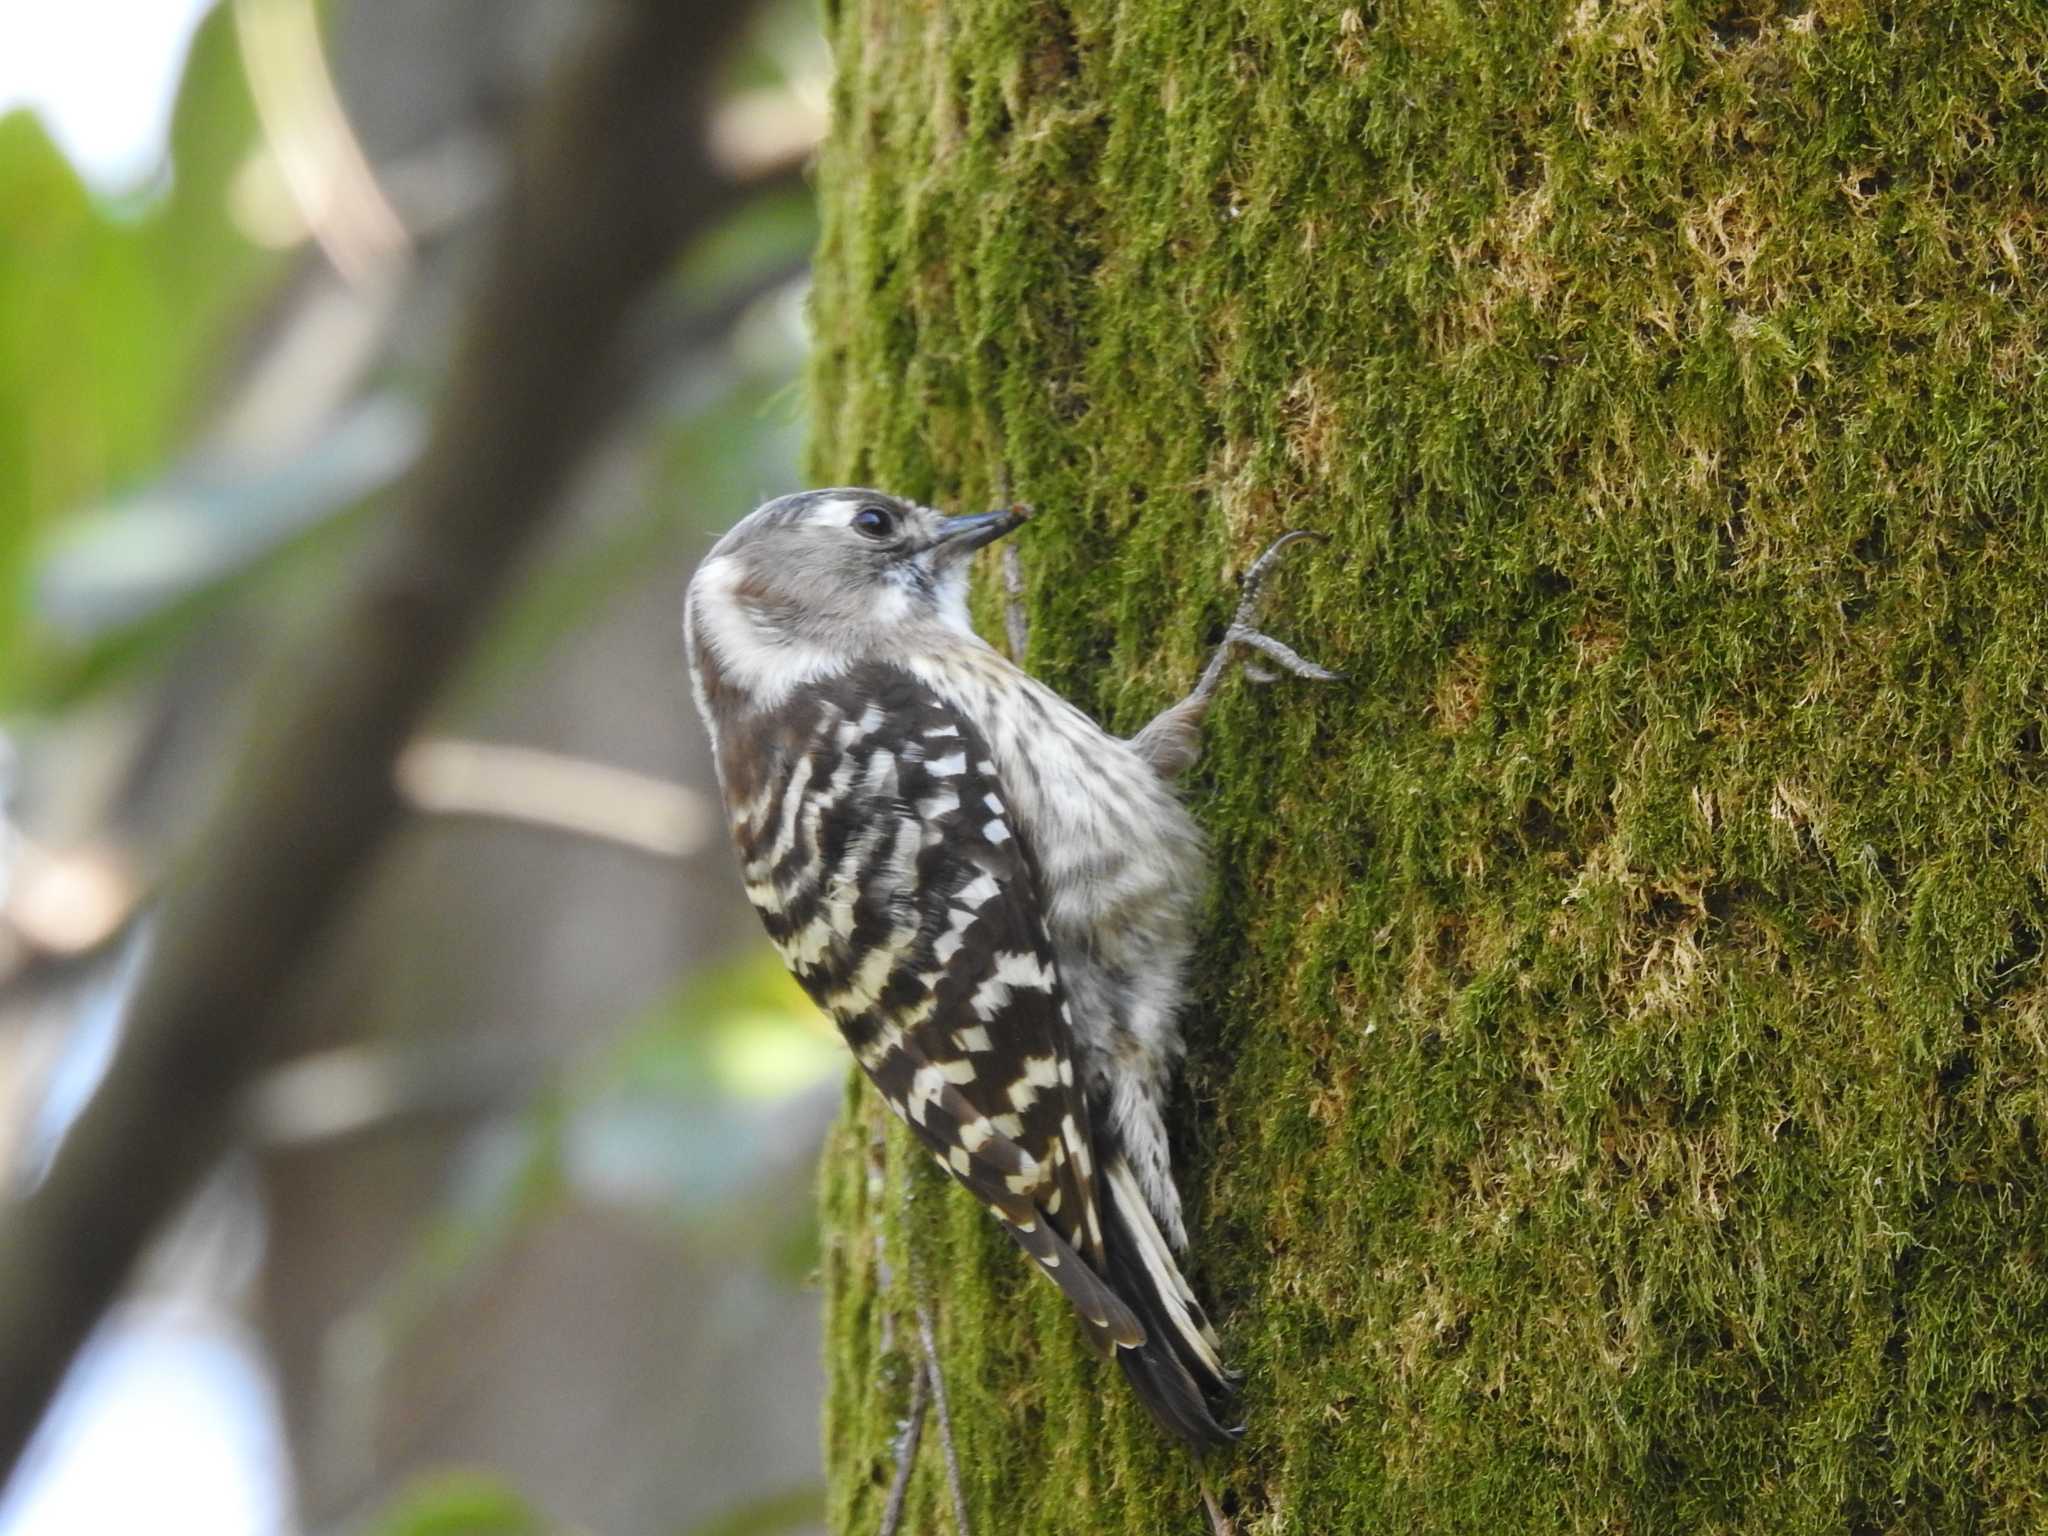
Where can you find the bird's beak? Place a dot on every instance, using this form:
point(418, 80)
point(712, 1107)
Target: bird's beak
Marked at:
point(959, 537)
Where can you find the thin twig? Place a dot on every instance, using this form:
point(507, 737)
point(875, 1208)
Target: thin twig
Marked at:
point(906, 1450)
point(929, 1339)
point(1016, 623)
point(363, 1089)
point(928, 1342)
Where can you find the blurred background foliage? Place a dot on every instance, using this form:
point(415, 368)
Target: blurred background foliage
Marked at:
point(523, 1242)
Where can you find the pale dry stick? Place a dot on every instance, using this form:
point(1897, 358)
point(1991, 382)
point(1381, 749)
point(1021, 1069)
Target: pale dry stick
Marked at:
point(494, 781)
point(1016, 623)
point(1219, 1523)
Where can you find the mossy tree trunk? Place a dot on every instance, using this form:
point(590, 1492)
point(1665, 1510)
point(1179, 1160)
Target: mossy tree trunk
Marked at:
point(1617, 1091)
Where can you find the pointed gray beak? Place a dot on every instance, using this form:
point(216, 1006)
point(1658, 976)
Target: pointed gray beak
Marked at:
point(959, 537)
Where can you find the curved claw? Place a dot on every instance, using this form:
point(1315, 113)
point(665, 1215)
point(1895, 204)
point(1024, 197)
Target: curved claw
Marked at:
point(1291, 536)
point(1256, 576)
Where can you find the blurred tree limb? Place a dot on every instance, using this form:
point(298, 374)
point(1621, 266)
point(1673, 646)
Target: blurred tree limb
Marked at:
point(613, 178)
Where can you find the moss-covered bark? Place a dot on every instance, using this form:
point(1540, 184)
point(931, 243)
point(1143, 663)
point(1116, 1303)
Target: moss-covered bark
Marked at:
point(1617, 1098)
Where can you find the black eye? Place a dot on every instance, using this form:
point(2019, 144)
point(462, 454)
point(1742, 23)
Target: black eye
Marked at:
point(874, 521)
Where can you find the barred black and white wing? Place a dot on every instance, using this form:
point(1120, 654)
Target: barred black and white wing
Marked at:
point(881, 855)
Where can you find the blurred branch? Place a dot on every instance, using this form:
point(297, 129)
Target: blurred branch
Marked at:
point(355, 1089)
point(547, 790)
point(58, 908)
point(766, 134)
point(309, 134)
point(613, 179)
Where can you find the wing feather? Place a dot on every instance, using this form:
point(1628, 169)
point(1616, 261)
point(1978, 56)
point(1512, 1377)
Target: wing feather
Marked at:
point(889, 872)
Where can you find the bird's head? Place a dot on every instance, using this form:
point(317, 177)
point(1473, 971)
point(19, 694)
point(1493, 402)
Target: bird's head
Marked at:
point(808, 583)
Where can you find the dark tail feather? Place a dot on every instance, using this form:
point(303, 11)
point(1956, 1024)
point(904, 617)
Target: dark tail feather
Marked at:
point(1111, 1327)
point(1175, 1372)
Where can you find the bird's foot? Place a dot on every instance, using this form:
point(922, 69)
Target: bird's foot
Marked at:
point(1172, 741)
point(1243, 632)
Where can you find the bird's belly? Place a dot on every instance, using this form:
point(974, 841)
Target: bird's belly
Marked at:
point(1122, 874)
point(1121, 860)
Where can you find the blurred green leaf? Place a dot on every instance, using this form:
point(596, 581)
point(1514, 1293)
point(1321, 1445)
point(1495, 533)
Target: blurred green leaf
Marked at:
point(110, 323)
point(742, 1029)
point(793, 1509)
point(695, 1105)
point(61, 435)
point(459, 1504)
point(769, 230)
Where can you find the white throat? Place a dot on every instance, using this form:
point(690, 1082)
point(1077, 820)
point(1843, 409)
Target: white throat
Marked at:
point(952, 598)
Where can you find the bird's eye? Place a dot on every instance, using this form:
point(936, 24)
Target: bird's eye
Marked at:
point(874, 521)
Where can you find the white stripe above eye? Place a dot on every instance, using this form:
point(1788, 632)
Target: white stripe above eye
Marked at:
point(835, 511)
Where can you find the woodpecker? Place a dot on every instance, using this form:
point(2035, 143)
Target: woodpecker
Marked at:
point(991, 896)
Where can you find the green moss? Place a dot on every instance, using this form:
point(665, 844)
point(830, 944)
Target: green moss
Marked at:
point(1617, 1096)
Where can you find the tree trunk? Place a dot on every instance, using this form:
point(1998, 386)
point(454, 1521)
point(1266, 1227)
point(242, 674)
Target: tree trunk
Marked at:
point(1616, 1098)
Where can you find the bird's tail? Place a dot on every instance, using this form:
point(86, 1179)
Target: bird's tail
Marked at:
point(1177, 1372)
